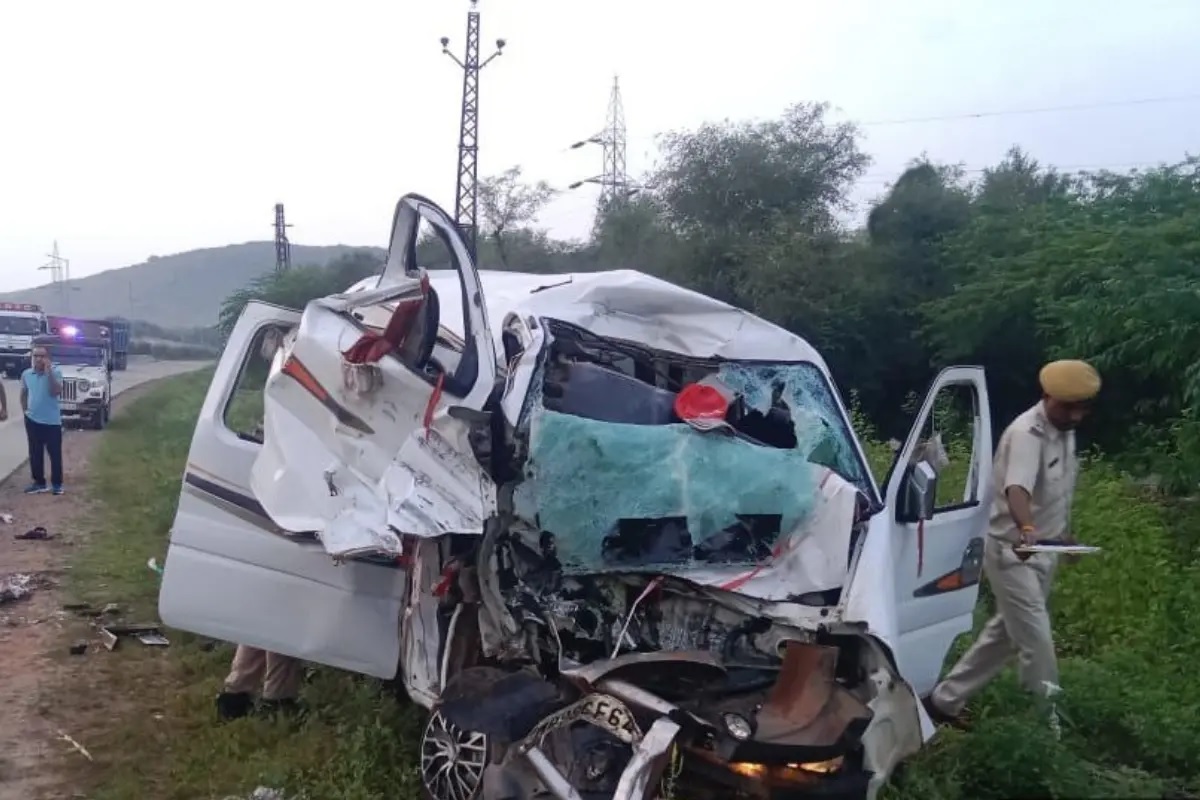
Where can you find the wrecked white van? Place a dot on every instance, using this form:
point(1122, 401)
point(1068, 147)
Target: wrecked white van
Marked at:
point(622, 544)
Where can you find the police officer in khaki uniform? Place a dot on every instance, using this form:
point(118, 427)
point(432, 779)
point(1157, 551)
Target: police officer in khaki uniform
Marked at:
point(1034, 482)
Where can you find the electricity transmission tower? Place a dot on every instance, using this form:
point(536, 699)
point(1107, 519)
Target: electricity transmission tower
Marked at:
point(283, 248)
point(60, 275)
point(59, 267)
point(614, 180)
point(466, 187)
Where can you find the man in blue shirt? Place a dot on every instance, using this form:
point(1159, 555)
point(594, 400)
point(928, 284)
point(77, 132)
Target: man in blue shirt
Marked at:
point(41, 386)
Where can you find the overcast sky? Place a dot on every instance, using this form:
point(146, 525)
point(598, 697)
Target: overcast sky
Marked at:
point(131, 128)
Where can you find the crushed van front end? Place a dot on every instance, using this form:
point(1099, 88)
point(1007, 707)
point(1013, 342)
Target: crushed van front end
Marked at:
point(655, 611)
point(627, 570)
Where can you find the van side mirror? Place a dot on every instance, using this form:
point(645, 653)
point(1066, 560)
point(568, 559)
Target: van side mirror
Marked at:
point(920, 490)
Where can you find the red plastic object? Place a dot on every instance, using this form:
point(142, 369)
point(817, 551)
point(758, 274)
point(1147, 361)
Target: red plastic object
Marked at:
point(700, 401)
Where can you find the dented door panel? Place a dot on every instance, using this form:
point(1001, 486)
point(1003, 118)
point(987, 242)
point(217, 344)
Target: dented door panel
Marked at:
point(232, 573)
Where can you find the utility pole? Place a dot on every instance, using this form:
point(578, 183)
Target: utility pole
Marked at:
point(466, 186)
point(613, 180)
point(283, 248)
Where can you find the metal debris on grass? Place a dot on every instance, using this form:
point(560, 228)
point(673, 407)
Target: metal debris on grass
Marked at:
point(16, 586)
point(149, 635)
point(262, 793)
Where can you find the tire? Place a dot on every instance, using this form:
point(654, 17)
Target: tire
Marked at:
point(100, 420)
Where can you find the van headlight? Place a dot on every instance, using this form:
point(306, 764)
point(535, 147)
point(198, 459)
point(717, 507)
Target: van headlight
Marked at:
point(738, 726)
point(84, 384)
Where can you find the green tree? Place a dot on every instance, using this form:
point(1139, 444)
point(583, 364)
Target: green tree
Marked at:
point(1102, 267)
point(508, 206)
point(726, 189)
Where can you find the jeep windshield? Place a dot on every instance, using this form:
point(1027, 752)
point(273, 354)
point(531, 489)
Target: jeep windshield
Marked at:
point(620, 481)
point(77, 355)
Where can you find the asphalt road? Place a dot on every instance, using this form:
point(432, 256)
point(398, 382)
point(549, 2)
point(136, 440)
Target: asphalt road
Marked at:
point(13, 449)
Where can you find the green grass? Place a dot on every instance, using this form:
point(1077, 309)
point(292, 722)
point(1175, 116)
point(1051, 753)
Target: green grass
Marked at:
point(1125, 622)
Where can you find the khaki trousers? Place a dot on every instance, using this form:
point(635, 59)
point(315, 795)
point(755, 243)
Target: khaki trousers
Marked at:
point(279, 677)
point(1021, 625)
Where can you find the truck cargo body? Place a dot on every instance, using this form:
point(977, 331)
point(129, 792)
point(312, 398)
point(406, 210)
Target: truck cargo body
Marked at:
point(121, 329)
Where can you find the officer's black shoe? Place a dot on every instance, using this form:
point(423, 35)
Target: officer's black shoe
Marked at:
point(233, 705)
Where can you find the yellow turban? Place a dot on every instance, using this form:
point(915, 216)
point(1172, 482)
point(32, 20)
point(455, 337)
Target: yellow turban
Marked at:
point(1070, 381)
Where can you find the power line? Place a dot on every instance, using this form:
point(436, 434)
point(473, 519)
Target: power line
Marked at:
point(1042, 110)
point(882, 177)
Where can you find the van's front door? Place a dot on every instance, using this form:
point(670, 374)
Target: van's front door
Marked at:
point(230, 572)
point(937, 499)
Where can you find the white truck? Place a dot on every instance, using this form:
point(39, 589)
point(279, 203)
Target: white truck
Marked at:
point(613, 534)
point(19, 323)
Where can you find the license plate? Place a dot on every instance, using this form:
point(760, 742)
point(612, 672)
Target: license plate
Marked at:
point(601, 710)
point(68, 406)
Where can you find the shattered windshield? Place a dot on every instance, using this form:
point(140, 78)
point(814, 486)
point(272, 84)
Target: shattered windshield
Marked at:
point(649, 490)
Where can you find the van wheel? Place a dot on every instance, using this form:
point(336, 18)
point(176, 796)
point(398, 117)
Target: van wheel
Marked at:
point(452, 760)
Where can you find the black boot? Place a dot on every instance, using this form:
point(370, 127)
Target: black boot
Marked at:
point(233, 705)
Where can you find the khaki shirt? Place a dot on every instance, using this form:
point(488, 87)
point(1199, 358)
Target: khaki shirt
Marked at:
point(1038, 457)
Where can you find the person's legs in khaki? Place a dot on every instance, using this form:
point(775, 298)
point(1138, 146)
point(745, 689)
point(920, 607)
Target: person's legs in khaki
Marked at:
point(247, 670)
point(279, 677)
point(284, 676)
point(1021, 625)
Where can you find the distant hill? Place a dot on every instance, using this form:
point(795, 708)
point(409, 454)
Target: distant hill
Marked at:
point(176, 291)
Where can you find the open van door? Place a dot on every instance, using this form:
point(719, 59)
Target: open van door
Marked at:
point(230, 572)
point(938, 496)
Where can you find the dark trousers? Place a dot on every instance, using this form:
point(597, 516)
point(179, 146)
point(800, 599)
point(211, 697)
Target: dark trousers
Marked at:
point(44, 439)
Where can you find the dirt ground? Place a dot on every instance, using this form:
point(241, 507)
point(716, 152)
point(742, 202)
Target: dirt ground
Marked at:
point(35, 628)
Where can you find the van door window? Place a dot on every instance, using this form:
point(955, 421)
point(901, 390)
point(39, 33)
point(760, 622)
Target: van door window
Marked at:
point(949, 447)
point(245, 408)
